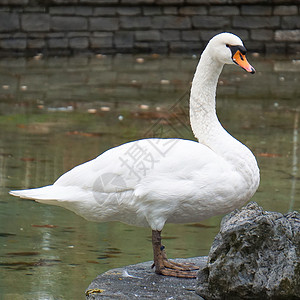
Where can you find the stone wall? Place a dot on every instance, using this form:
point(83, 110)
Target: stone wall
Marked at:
point(64, 27)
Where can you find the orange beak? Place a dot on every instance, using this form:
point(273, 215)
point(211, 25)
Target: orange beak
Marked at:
point(240, 59)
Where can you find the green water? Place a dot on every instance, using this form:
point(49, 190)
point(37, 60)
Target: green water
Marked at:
point(59, 112)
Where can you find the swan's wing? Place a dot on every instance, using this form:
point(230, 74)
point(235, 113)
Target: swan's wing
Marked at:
point(116, 171)
point(149, 168)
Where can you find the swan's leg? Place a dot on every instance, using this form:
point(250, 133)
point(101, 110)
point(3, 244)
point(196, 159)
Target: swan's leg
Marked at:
point(168, 268)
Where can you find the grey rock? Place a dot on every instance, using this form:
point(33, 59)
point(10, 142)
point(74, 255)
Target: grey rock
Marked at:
point(124, 39)
point(36, 43)
point(9, 22)
point(254, 22)
point(105, 11)
point(170, 35)
point(222, 10)
point(256, 255)
point(191, 35)
point(171, 22)
point(104, 24)
point(35, 22)
point(140, 282)
point(290, 22)
point(210, 21)
point(101, 40)
point(256, 10)
point(79, 42)
point(262, 34)
point(16, 44)
point(58, 43)
point(147, 35)
point(135, 22)
point(97, 2)
point(14, 2)
point(193, 10)
point(287, 35)
point(67, 23)
point(170, 10)
point(151, 10)
point(282, 10)
point(128, 11)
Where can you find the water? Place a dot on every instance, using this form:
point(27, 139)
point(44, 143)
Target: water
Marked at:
point(59, 112)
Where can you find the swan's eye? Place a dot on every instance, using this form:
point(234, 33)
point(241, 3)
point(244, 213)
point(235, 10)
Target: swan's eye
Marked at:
point(227, 45)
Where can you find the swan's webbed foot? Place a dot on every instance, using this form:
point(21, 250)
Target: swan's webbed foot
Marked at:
point(169, 268)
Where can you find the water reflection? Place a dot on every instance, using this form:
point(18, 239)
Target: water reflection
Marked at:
point(57, 113)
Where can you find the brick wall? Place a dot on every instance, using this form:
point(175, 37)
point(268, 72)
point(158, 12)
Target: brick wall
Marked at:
point(63, 27)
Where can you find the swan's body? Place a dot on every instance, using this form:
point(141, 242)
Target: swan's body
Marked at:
point(153, 181)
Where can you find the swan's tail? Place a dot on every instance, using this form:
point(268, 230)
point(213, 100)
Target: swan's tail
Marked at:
point(51, 194)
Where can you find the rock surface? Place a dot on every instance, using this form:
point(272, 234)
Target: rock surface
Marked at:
point(256, 255)
point(140, 282)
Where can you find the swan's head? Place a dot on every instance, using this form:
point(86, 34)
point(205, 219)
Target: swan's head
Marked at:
point(228, 48)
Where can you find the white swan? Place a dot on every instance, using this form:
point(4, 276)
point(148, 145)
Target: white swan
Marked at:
point(151, 182)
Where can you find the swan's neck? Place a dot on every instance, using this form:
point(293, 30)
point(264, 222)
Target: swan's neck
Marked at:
point(204, 121)
point(207, 128)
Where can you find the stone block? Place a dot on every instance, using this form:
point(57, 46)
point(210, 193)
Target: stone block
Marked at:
point(256, 10)
point(186, 47)
point(275, 48)
point(35, 22)
point(285, 10)
point(129, 11)
point(191, 35)
point(83, 11)
point(14, 2)
point(34, 9)
point(9, 22)
point(211, 22)
point(60, 2)
point(170, 35)
point(151, 10)
point(293, 48)
point(58, 43)
point(14, 44)
point(102, 40)
point(206, 35)
point(160, 47)
point(147, 35)
point(224, 10)
point(135, 22)
point(36, 43)
point(97, 2)
point(62, 10)
point(79, 42)
point(135, 2)
point(170, 10)
point(290, 22)
point(104, 23)
point(71, 10)
point(168, 2)
point(193, 10)
point(253, 22)
point(54, 35)
point(287, 35)
point(124, 39)
point(205, 2)
point(105, 11)
point(72, 34)
point(262, 34)
point(68, 23)
point(171, 22)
